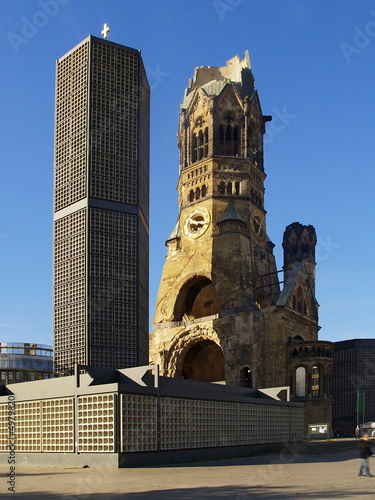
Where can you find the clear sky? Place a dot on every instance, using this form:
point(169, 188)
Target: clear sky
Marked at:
point(314, 65)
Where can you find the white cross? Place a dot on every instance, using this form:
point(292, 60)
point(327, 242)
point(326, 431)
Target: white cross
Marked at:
point(105, 30)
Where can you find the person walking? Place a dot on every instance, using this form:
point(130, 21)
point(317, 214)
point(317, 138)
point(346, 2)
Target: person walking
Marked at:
point(364, 452)
point(357, 432)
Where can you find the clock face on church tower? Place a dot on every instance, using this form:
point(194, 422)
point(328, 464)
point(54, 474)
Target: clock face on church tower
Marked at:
point(257, 224)
point(196, 222)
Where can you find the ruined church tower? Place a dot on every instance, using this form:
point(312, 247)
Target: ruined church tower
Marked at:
point(221, 313)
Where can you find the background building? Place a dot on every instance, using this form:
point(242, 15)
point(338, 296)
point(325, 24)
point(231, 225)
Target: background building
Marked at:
point(353, 384)
point(22, 362)
point(221, 314)
point(101, 207)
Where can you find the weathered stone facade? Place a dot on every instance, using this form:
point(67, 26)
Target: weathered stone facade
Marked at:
point(221, 314)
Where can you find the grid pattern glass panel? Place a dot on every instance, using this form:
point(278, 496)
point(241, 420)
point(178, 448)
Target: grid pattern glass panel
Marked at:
point(296, 424)
point(204, 425)
point(139, 423)
point(199, 423)
point(114, 123)
point(71, 127)
point(28, 426)
point(227, 426)
point(58, 425)
point(175, 423)
point(69, 291)
point(96, 423)
point(4, 429)
point(113, 314)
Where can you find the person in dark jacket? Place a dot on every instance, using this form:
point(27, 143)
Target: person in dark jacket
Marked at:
point(364, 452)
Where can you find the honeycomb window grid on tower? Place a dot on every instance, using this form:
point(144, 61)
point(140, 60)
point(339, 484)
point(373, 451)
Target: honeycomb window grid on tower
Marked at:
point(126, 358)
point(101, 266)
point(102, 119)
point(102, 142)
point(102, 164)
point(102, 356)
point(125, 224)
point(78, 145)
point(125, 314)
point(78, 100)
point(124, 337)
point(126, 145)
point(77, 245)
point(126, 169)
point(78, 166)
point(103, 75)
point(78, 123)
point(102, 187)
point(77, 268)
point(126, 104)
point(77, 290)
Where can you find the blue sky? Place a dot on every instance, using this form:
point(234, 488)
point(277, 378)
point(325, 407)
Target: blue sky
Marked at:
point(314, 69)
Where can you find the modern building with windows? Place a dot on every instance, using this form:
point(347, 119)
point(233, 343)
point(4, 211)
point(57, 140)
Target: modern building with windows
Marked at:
point(101, 207)
point(353, 387)
point(23, 362)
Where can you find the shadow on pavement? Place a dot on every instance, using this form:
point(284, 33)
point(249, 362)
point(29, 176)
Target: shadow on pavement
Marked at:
point(229, 492)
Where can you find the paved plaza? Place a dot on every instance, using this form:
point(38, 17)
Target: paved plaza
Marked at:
point(288, 474)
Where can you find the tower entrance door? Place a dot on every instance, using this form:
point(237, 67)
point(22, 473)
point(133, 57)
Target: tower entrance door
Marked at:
point(204, 361)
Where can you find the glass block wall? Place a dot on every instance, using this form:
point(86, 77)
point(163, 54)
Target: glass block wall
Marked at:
point(189, 423)
point(111, 423)
point(96, 423)
point(101, 207)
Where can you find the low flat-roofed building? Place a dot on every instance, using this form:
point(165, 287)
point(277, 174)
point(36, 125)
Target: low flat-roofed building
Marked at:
point(114, 418)
point(23, 362)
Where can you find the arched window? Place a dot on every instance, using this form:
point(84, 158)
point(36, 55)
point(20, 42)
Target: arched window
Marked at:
point(300, 381)
point(197, 193)
point(315, 382)
point(229, 188)
point(228, 136)
point(204, 191)
point(191, 195)
point(222, 187)
point(200, 145)
point(194, 145)
point(199, 141)
point(237, 187)
point(205, 143)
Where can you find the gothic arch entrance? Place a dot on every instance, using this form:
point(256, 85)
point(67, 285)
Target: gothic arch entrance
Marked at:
point(204, 361)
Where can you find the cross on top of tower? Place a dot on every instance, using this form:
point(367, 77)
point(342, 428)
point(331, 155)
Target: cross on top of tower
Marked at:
point(106, 29)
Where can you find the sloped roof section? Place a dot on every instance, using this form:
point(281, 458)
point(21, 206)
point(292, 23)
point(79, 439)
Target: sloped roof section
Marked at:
point(289, 284)
point(231, 213)
point(176, 232)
